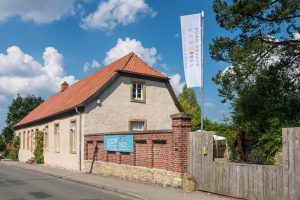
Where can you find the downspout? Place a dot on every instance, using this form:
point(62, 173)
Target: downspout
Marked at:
point(79, 138)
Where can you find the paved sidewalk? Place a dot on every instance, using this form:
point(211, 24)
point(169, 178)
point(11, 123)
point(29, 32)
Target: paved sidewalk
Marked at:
point(134, 189)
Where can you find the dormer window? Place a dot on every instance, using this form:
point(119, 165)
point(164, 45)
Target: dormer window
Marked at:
point(138, 92)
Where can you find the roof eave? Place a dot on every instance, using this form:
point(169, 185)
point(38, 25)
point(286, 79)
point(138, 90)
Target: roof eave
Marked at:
point(46, 118)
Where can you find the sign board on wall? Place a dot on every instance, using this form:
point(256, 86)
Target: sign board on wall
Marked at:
point(121, 143)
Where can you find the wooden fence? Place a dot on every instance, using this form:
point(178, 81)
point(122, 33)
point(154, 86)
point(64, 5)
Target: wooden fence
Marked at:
point(248, 181)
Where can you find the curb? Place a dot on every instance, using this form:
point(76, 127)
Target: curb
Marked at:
point(104, 187)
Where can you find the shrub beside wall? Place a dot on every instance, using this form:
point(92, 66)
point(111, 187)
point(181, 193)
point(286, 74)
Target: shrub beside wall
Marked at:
point(39, 148)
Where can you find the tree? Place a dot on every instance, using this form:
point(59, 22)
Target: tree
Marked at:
point(266, 33)
point(7, 134)
point(260, 25)
point(17, 110)
point(188, 102)
point(2, 145)
point(263, 81)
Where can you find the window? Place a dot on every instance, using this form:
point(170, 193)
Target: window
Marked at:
point(137, 125)
point(28, 139)
point(32, 140)
point(46, 138)
point(56, 137)
point(24, 133)
point(73, 136)
point(138, 92)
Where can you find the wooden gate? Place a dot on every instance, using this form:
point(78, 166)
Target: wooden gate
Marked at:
point(262, 182)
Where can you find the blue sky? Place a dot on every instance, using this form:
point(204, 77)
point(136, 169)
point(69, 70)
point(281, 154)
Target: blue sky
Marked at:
point(46, 42)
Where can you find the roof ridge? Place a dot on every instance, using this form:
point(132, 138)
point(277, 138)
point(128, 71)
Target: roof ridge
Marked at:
point(117, 61)
point(98, 71)
point(146, 64)
point(132, 54)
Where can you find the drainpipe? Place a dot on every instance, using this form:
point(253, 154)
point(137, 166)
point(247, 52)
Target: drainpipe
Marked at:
point(79, 139)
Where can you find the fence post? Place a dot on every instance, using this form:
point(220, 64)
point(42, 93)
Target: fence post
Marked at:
point(181, 126)
point(291, 163)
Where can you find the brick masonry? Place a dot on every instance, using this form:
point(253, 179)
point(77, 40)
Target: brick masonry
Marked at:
point(160, 149)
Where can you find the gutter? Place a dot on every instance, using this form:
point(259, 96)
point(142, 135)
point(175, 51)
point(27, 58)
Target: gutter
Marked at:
point(79, 138)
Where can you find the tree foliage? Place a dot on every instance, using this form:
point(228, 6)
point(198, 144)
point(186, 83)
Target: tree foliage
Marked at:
point(39, 148)
point(17, 110)
point(263, 82)
point(188, 102)
point(225, 129)
point(259, 24)
point(2, 144)
point(20, 107)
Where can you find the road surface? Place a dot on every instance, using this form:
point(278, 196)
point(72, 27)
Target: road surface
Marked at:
point(21, 184)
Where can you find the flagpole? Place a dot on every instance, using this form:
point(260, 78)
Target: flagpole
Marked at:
point(202, 70)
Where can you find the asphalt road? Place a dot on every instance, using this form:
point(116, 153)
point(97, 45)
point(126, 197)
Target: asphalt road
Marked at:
point(20, 184)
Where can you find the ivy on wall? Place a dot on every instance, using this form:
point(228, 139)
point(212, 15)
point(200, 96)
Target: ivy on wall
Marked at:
point(14, 153)
point(39, 148)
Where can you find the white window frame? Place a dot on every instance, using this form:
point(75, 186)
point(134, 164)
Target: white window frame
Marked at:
point(56, 138)
point(32, 140)
point(23, 140)
point(28, 140)
point(46, 138)
point(132, 128)
point(73, 132)
point(137, 89)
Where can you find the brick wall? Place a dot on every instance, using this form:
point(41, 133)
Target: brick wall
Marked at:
point(160, 149)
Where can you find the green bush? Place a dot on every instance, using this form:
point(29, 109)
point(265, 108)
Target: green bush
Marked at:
point(268, 145)
point(39, 148)
point(14, 153)
point(2, 145)
point(6, 153)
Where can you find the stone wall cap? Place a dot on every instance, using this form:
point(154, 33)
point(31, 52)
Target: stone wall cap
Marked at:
point(181, 115)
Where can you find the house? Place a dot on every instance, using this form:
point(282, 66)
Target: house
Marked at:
point(125, 96)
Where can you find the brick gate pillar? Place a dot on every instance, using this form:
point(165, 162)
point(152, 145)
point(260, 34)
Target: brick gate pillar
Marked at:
point(181, 126)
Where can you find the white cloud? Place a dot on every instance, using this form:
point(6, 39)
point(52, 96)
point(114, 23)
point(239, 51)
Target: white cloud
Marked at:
point(177, 85)
point(209, 105)
point(91, 65)
point(296, 35)
point(123, 47)
point(222, 111)
point(3, 98)
point(37, 11)
point(20, 73)
point(111, 13)
point(165, 66)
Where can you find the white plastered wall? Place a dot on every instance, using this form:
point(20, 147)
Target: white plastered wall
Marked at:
point(116, 109)
point(63, 158)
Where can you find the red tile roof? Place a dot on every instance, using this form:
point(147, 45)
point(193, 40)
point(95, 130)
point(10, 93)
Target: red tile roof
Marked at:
point(80, 91)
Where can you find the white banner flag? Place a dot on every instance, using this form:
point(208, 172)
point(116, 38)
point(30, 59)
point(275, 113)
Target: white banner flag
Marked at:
point(191, 47)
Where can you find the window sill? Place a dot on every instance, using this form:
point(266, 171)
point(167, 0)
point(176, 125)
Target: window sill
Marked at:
point(138, 101)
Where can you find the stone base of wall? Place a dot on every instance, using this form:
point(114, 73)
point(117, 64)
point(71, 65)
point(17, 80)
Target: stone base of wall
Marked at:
point(134, 173)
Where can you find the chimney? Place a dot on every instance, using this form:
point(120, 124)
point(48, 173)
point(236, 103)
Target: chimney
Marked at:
point(64, 86)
